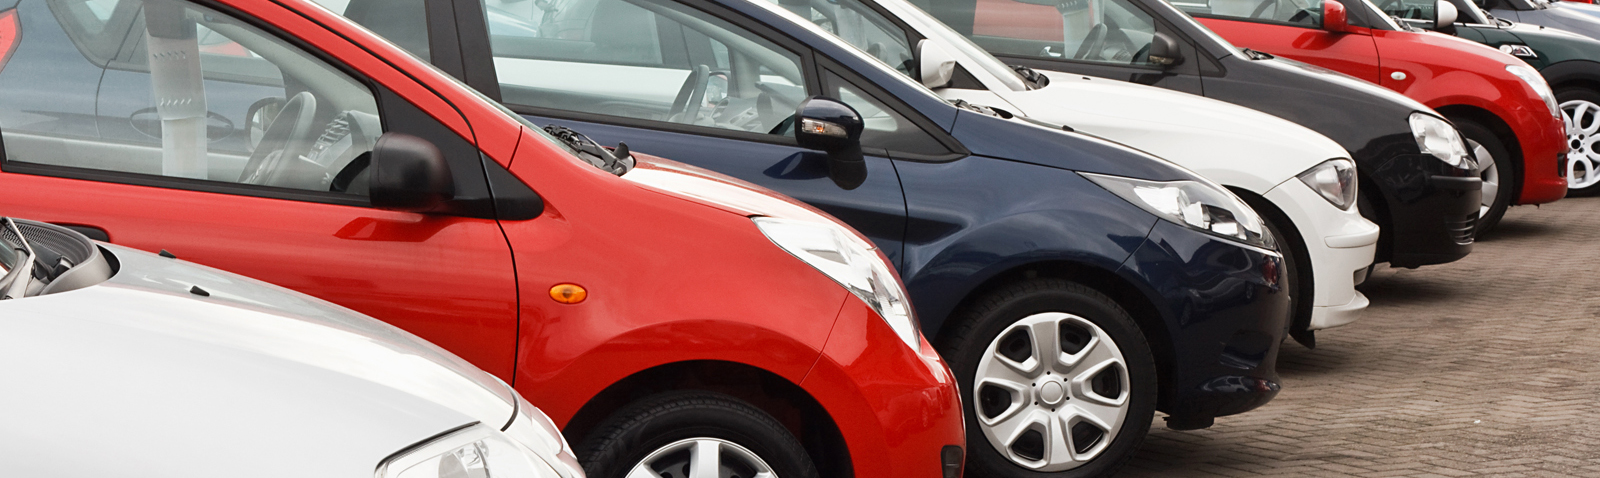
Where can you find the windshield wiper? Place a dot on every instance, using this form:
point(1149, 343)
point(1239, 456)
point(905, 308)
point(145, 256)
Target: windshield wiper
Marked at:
point(1037, 79)
point(617, 161)
point(14, 285)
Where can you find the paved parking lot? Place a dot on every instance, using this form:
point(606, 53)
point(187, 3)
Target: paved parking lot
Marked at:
point(1489, 366)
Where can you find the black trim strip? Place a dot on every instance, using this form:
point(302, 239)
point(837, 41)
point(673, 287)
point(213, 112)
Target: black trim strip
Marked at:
point(201, 185)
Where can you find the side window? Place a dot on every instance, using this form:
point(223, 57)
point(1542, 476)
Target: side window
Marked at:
point(1410, 9)
point(93, 26)
point(403, 22)
point(885, 128)
point(207, 97)
point(1101, 31)
point(643, 59)
point(862, 27)
point(1306, 13)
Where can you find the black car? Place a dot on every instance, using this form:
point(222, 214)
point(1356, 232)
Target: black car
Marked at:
point(1427, 207)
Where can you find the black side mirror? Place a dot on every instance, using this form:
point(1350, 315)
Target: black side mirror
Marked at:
point(1164, 50)
point(409, 174)
point(827, 125)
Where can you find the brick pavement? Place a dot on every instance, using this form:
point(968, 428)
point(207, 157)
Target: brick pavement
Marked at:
point(1489, 366)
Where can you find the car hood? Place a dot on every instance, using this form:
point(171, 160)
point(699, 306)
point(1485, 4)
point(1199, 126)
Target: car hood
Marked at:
point(1567, 43)
point(1230, 144)
point(718, 190)
point(175, 369)
point(1581, 18)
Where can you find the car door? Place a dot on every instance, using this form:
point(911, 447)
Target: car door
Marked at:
point(285, 206)
point(1292, 29)
point(1104, 38)
point(684, 83)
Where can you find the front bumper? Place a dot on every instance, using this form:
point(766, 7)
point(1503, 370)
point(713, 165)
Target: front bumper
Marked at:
point(1544, 162)
point(1428, 209)
point(898, 410)
point(1339, 243)
point(1226, 312)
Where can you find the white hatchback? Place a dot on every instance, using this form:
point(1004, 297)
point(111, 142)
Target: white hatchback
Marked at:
point(1303, 183)
point(117, 362)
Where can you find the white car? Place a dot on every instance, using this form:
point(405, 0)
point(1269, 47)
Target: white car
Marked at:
point(1303, 183)
point(121, 363)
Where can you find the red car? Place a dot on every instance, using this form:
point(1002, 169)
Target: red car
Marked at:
point(665, 316)
point(1503, 107)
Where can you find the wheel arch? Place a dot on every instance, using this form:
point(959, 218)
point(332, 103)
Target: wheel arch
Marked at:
point(1508, 137)
point(786, 401)
point(1152, 324)
point(1573, 73)
point(1306, 269)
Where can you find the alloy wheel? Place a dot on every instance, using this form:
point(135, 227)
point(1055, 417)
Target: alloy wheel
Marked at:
point(1490, 175)
point(702, 457)
point(1051, 391)
point(1583, 131)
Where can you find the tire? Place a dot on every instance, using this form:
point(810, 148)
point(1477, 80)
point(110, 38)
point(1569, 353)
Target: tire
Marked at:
point(1500, 178)
point(666, 429)
point(1583, 177)
point(984, 337)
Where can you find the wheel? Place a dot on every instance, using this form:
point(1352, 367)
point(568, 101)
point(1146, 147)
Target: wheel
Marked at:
point(1580, 107)
point(1055, 378)
point(697, 434)
point(1497, 169)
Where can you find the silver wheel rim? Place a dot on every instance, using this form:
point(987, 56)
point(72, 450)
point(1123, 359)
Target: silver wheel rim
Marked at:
point(1059, 406)
point(1490, 175)
point(702, 457)
point(1583, 130)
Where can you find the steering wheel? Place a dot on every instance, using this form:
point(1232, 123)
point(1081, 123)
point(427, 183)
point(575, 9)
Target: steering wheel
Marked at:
point(1094, 42)
point(287, 138)
point(686, 107)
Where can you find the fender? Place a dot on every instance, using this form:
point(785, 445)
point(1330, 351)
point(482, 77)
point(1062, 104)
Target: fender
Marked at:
point(566, 389)
point(1572, 71)
point(1048, 215)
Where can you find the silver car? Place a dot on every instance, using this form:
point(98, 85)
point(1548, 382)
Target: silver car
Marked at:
point(116, 362)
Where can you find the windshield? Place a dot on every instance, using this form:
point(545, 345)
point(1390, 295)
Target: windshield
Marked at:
point(1206, 31)
point(939, 32)
point(1382, 17)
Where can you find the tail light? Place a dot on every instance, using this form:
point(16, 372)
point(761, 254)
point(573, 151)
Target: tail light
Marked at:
point(10, 34)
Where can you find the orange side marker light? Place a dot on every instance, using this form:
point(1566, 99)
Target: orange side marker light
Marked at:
point(568, 293)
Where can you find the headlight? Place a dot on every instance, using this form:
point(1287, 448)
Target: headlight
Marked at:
point(1534, 80)
point(1194, 204)
point(1436, 137)
point(1335, 180)
point(475, 451)
point(850, 261)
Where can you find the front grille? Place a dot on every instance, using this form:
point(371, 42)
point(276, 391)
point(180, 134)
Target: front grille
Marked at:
point(1461, 227)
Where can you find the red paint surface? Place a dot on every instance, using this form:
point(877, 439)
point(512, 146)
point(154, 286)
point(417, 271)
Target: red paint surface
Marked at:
point(670, 278)
point(1440, 71)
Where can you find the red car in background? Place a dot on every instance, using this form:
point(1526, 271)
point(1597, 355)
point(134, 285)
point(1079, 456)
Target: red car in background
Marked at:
point(1502, 106)
point(665, 316)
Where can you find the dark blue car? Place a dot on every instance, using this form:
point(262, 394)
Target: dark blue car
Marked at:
point(1076, 286)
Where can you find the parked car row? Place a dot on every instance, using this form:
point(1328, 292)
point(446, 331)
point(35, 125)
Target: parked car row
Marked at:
point(963, 263)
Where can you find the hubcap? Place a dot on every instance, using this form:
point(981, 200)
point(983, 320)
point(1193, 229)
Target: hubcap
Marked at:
point(702, 457)
point(1583, 130)
point(1051, 391)
point(1490, 175)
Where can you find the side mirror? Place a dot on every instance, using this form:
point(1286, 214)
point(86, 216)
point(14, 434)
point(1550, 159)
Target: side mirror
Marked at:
point(938, 65)
point(1164, 50)
point(1334, 17)
point(1444, 14)
point(827, 125)
point(259, 116)
point(408, 173)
